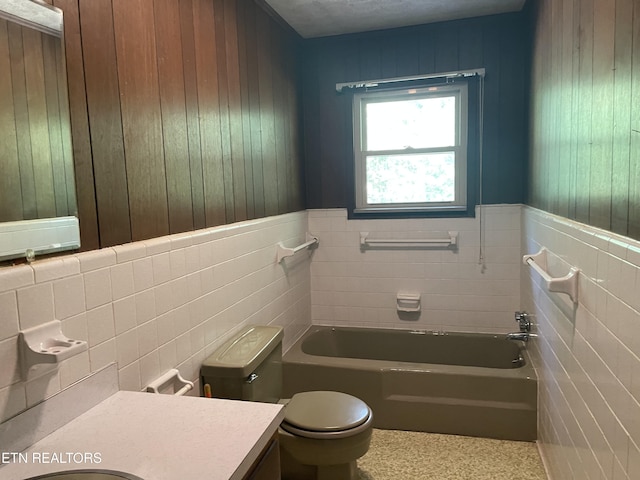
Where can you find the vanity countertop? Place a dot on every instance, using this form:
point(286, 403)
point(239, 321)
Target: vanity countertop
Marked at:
point(156, 437)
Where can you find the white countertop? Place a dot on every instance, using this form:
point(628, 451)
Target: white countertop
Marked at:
point(157, 437)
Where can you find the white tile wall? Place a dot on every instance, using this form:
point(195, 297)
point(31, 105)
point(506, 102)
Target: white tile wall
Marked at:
point(350, 286)
point(587, 356)
point(168, 302)
point(153, 305)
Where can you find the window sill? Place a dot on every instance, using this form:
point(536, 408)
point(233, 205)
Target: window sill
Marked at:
point(382, 213)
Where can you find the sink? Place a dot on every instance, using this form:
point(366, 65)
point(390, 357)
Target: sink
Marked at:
point(87, 475)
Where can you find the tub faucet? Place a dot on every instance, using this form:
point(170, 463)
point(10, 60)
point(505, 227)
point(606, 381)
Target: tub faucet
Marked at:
point(524, 336)
point(522, 318)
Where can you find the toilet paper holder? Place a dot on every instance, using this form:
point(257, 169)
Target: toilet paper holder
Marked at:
point(163, 383)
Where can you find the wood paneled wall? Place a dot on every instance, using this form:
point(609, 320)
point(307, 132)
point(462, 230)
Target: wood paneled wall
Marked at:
point(499, 43)
point(36, 170)
point(185, 114)
point(585, 127)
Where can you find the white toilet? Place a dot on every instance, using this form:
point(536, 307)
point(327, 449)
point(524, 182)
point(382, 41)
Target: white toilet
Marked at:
point(323, 433)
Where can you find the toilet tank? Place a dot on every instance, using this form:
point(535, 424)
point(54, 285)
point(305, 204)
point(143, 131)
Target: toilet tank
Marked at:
point(248, 366)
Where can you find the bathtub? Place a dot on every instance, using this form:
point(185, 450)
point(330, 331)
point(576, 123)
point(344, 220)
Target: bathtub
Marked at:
point(466, 384)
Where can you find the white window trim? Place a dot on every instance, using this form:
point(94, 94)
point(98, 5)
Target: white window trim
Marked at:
point(460, 202)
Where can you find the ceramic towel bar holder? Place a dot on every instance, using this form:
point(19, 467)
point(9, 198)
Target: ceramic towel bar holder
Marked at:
point(283, 252)
point(171, 382)
point(567, 284)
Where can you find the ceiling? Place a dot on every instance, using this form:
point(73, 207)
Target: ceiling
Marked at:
point(320, 18)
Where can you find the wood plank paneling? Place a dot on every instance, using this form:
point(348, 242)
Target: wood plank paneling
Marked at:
point(585, 112)
point(634, 161)
point(184, 115)
point(50, 46)
point(35, 146)
point(280, 108)
point(79, 124)
point(621, 151)
point(141, 117)
point(23, 131)
point(243, 81)
point(192, 109)
point(252, 41)
point(39, 130)
point(105, 119)
point(267, 113)
point(11, 203)
point(208, 104)
point(224, 111)
point(236, 124)
point(174, 116)
point(602, 121)
point(498, 43)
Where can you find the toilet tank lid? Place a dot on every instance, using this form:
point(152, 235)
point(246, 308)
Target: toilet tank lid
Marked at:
point(239, 356)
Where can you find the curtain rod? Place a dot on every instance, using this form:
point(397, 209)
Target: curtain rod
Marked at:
point(375, 83)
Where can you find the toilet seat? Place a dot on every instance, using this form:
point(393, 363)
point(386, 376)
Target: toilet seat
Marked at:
point(325, 415)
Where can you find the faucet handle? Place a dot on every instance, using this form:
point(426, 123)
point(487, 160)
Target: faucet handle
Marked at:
point(523, 321)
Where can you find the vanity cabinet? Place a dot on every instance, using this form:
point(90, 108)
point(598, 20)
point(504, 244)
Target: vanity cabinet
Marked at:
point(267, 465)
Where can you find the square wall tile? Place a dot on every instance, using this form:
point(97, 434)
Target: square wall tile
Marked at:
point(147, 338)
point(96, 259)
point(35, 305)
point(13, 400)
point(12, 278)
point(97, 288)
point(69, 297)
point(9, 325)
point(122, 282)
point(74, 369)
point(143, 274)
point(161, 268)
point(52, 269)
point(129, 377)
point(130, 251)
point(127, 348)
point(145, 306)
point(100, 324)
point(9, 359)
point(76, 327)
point(124, 314)
point(42, 388)
point(102, 355)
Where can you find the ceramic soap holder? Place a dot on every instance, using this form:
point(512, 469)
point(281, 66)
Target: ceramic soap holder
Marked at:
point(44, 347)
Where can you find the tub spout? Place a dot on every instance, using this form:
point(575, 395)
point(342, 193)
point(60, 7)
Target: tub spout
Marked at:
point(524, 336)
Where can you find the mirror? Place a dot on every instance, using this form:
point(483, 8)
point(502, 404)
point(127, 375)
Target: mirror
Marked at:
point(37, 183)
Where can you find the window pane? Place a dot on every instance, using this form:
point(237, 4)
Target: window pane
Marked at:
point(413, 178)
point(415, 123)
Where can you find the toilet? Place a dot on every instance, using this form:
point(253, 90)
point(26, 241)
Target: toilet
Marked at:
point(323, 432)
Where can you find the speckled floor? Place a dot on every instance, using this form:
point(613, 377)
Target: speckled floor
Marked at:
point(396, 455)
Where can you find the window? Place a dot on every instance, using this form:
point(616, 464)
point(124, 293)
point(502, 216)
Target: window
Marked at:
point(411, 149)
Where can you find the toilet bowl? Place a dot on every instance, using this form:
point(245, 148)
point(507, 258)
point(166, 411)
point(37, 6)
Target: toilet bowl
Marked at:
point(322, 435)
point(323, 432)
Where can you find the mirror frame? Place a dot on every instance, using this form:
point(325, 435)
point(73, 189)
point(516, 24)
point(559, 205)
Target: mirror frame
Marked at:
point(26, 238)
point(34, 14)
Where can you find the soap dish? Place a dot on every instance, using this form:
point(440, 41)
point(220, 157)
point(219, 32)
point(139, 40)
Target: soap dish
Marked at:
point(45, 346)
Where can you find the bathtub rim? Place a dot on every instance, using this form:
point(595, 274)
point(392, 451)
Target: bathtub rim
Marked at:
point(295, 355)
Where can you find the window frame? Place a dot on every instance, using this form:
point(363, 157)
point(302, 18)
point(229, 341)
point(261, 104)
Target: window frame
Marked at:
point(461, 149)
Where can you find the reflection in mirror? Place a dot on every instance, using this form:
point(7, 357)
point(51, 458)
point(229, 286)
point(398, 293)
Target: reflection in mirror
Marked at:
point(36, 165)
